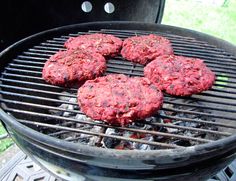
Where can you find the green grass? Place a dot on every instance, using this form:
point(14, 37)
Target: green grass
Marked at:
point(5, 143)
point(219, 21)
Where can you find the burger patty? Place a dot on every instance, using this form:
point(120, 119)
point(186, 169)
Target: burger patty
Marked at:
point(107, 45)
point(144, 49)
point(118, 99)
point(180, 76)
point(73, 66)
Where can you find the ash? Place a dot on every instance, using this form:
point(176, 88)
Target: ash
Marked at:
point(126, 144)
point(91, 132)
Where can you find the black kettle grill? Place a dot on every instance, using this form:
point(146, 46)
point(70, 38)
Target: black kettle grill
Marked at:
point(190, 138)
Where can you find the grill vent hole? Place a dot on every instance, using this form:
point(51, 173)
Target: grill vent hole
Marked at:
point(229, 172)
point(86, 6)
point(39, 179)
point(18, 178)
point(109, 8)
point(215, 178)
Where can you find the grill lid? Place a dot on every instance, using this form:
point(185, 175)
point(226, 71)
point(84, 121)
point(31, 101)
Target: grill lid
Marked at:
point(183, 121)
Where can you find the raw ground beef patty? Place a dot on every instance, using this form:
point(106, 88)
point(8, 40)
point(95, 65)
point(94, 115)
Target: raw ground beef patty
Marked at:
point(118, 99)
point(143, 49)
point(73, 66)
point(180, 76)
point(107, 45)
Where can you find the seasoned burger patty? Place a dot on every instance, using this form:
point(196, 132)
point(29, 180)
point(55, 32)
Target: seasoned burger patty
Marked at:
point(118, 99)
point(180, 76)
point(144, 49)
point(73, 66)
point(107, 45)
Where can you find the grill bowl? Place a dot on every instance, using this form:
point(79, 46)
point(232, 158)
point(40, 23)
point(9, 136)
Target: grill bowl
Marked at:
point(66, 159)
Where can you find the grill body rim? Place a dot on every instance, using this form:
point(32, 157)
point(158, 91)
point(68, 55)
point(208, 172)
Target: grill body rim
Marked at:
point(163, 158)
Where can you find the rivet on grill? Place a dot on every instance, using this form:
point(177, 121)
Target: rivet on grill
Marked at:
point(86, 6)
point(109, 8)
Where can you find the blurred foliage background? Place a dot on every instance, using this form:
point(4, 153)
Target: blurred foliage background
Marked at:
point(215, 17)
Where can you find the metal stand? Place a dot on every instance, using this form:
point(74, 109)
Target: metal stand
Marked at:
point(21, 168)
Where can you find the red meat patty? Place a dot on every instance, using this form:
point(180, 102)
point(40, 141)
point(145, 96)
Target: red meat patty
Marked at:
point(73, 66)
point(144, 49)
point(180, 76)
point(107, 45)
point(118, 99)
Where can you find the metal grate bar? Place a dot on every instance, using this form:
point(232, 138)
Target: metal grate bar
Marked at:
point(184, 49)
point(112, 62)
point(38, 91)
point(137, 71)
point(26, 66)
point(75, 111)
point(200, 106)
point(175, 41)
point(202, 54)
point(74, 96)
point(53, 44)
point(22, 70)
point(189, 46)
point(28, 62)
point(36, 54)
point(79, 112)
point(32, 83)
point(209, 94)
point(207, 58)
point(20, 75)
point(43, 51)
point(195, 120)
point(230, 74)
point(99, 134)
point(32, 58)
point(158, 124)
point(222, 90)
point(182, 40)
point(36, 97)
point(219, 70)
point(210, 63)
point(135, 32)
point(22, 79)
point(199, 113)
point(202, 99)
point(193, 129)
point(40, 106)
point(49, 48)
point(60, 88)
point(58, 133)
point(138, 32)
point(61, 41)
point(41, 67)
point(169, 135)
point(172, 102)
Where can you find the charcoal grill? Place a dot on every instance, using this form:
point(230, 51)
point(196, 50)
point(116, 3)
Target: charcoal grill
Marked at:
point(34, 117)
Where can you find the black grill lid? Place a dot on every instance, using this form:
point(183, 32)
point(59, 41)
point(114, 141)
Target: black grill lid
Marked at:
point(17, 16)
